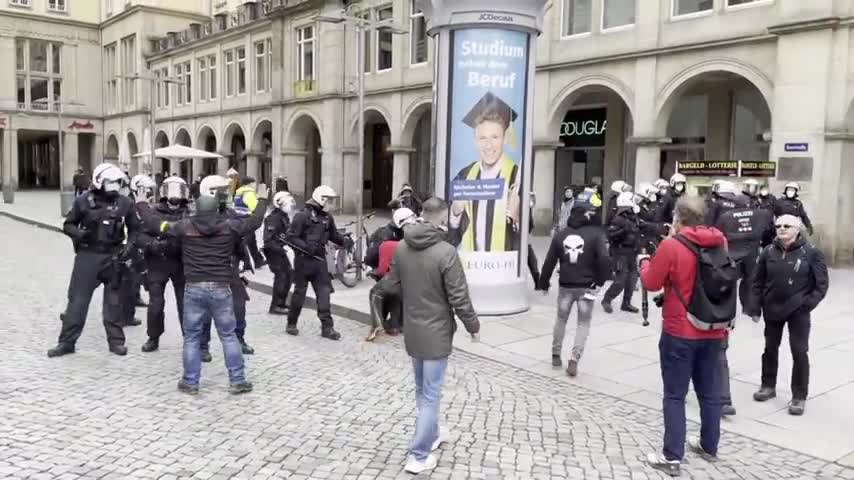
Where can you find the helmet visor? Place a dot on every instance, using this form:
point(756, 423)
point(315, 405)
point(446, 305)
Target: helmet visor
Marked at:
point(174, 191)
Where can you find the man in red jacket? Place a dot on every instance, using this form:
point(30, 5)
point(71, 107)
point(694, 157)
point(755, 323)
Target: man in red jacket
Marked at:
point(687, 353)
point(387, 311)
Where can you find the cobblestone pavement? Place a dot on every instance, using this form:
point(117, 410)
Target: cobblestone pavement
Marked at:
point(321, 410)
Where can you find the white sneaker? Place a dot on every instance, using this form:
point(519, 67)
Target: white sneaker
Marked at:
point(416, 467)
point(439, 440)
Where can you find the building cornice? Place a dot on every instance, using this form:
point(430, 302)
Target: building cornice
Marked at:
point(649, 141)
point(651, 52)
point(125, 115)
point(283, 8)
point(59, 20)
point(218, 37)
point(193, 17)
point(196, 115)
point(804, 26)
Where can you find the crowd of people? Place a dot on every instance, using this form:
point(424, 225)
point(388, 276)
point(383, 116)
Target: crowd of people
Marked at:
point(704, 255)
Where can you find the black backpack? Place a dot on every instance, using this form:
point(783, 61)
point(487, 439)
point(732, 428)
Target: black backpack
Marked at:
point(713, 299)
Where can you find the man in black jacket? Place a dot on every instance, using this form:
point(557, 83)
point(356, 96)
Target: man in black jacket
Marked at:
point(209, 244)
point(791, 280)
point(624, 235)
point(384, 233)
point(275, 235)
point(584, 268)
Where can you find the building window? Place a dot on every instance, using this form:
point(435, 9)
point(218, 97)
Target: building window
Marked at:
point(38, 55)
point(213, 77)
point(736, 3)
point(618, 13)
point(157, 93)
point(241, 70)
point(165, 85)
point(384, 40)
point(129, 70)
point(110, 75)
point(21, 86)
point(229, 73)
point(688, 7)
point(367, 50)
point(188, 83)
point(57, 5)
point(575, 17)
point(20, 3)
point(179, 75)
point(261, 66)
point(270, 65)
point(305, 46)
point(417, 35)
point(204, 88)
point(20, 47)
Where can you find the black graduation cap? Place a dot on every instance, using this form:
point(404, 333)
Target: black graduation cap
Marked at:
point(490, 107)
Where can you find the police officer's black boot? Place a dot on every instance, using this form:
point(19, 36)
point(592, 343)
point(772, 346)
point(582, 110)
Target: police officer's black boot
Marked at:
point(330, 333)
point(245, 347)
point(292, 329)
point(151, 345)
point(119, 350)
point(278, 310)
point(60, 350)
point(133, 322)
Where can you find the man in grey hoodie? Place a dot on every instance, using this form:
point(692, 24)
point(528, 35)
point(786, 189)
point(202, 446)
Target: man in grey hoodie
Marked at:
point(428, 276)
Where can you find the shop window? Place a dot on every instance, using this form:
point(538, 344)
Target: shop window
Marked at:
point(575, 18)
point(689, 7)
point(617, 13)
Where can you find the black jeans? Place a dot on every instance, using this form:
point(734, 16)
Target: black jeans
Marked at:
point(280, 265)
point(625, 278)
point(799, 337)
point(746, 271)
point(128, 291)
point(252, 244)
point(311, 270)
point(683, 362)
point(90, 271)
point(157, 278)
point(723, 373)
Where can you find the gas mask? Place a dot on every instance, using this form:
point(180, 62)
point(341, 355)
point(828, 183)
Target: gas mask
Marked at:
point(662, 191)
point(173, 203)
point(791, 193)
point(763, 192)
point(679, 187)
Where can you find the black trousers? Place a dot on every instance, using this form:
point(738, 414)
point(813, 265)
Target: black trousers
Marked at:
point(252, 244)
point(280, 265)
point(311, 270)
point(158, 276)
point(799, 336)
point(533, 264)
point(90, 271)
point(386, 310)
point(625, 278)
point(746, 271)
point(128, 291)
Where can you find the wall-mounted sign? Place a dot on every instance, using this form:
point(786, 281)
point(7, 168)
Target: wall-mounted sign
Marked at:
point(801, 147)
point(708, 168)
point(584, 128)
point(758, 169)
point(81, 125)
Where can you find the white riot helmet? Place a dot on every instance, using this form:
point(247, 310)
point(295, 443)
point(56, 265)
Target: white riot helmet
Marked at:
point(403, 217)
point(325, 197)
point(678, 182)
point(648, 192)
point(285, 202)
point(212, 185)
point(108, 178)
point(174, 190)
point(724, 187)
point(143, 187)
point(750, 187)
point(662, 185)
point(620, 186)
point(791, 190)
point(625, 199)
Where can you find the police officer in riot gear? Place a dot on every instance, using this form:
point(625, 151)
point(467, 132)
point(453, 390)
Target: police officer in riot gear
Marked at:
point(750, 189)
point(719, 199)
point(651, 231)
point(617, 188)
point(663, 188)
point(96, 225)
point(310, 230)
point(766, 199)
point(275, 235)
point(678, 185)
point(790, 204)
point(624, 237)
point(130, 271)
point(164, 258)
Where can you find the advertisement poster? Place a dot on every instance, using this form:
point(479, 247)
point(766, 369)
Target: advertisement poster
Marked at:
point(486, 135)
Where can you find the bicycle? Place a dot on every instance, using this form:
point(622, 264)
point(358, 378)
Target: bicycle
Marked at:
point(342, 261)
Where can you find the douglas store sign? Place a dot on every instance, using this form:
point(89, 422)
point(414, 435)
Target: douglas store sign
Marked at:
point(584, 128)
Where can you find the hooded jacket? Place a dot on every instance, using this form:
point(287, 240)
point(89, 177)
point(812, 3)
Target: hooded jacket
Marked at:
point(582, 250)
point(675, 266)
point(427, 274)
point(788, 279)
point(210, 242)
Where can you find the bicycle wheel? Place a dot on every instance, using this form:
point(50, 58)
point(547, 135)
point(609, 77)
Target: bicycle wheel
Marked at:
point(345, 266)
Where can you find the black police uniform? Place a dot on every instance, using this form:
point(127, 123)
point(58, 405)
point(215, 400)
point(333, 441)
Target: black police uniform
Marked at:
point(310, 230)
point(667, 206)
point(624, 236)
point(766, 202)
point(792, 206)
point(651, 230)
point(275, 229)
point(163, 256)
point(96, 225)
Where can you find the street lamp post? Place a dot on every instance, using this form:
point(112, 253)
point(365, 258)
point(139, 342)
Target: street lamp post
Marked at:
point(351, 17)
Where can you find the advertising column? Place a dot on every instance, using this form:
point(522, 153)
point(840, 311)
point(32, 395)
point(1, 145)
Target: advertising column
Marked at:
point(483, 97)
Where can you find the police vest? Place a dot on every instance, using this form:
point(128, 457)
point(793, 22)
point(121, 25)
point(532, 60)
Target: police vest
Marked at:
point(742, 224)
point(107, 220)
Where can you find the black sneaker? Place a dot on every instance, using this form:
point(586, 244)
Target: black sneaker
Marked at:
point(727, 410)
point(797, 407)
point(764, 394)
point(238, 388)
point(184, 387)
point(630, 309)
point(607, 307)
point(572, 367)
point(670, 467)
point(206, 356)
point(292, 330)
point(60, 350)
point(119, 350)
point(556, 361)
point(330, 333)
point(151, 345)
point(695, 446)
point(245, 348)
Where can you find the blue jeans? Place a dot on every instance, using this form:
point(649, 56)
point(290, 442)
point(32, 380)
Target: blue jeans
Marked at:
point(429, 377)
point(202, 301)
point(684, 361)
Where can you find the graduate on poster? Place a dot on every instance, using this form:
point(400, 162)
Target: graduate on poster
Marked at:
point(486, 210)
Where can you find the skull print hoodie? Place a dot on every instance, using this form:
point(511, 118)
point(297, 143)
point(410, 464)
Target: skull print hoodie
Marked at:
point(583, 254)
